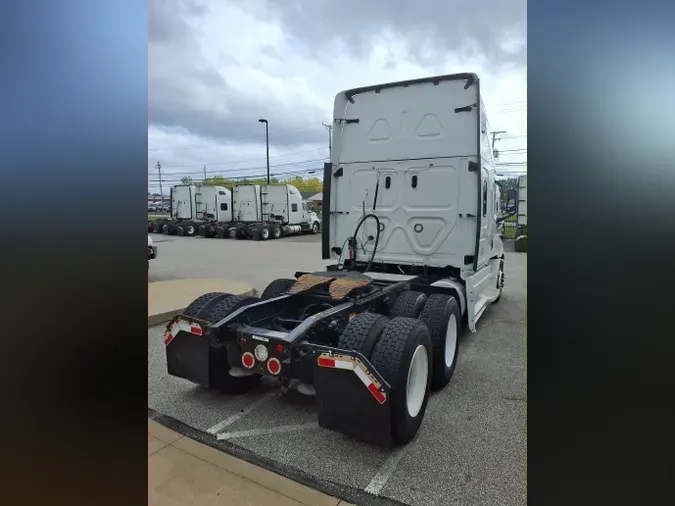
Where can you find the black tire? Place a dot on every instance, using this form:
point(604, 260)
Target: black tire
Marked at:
point(408, 304)
point(362, 333)
point(180, 230)
point(165, 229)
point(277, 288)
point(315, 228)
point(218, 364)
point(265, 233)
point(241, 232)
point(190, 229)
point(500, 281)
point(438, 314)
point(392, 357)
point(203, 302)
point(275, 230)
point(225, 306)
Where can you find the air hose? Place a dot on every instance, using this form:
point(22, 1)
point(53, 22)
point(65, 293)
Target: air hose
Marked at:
point(377, 239)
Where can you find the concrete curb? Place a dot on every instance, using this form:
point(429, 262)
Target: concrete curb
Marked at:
point(166, 299)
point(342, 492)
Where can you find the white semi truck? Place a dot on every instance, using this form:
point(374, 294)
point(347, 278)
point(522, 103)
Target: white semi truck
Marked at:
point(411, 208)
point(263, 212)
point(521, 223)
point(193, 205)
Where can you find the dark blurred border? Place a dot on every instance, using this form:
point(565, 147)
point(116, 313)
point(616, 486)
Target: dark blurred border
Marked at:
point(73, 132)
point(601, 83)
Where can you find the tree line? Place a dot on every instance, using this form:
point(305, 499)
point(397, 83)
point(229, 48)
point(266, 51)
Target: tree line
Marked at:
point(311, 184)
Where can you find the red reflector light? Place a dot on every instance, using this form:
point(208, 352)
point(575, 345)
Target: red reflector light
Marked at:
point(248, 360)
point(377, 394)
point(196, 330)
point(326, 362)
point(273, 366)
point(280, 348)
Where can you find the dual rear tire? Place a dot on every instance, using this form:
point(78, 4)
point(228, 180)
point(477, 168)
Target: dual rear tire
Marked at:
point(400, 349)
point(213, 307)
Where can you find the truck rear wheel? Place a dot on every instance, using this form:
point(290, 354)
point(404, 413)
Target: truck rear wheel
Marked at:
point(219, 366)
point(408, 304)
point(264, 232)
point(442, 316)
point(362, 333)
point(276, 231)
point(203, 302)
point(180, 230)
point(240, 232)
point(500, 281)
point(276, 288)
point(403, 356)
point(190, 229)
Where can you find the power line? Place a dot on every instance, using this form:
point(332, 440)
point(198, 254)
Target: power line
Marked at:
point(251, 159)
point(250, 176)
point(521, 109)
point(249, 168)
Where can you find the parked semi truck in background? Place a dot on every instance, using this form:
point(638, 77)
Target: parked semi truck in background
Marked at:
point(269, 211)
point(521, 223)
point(193, 205)
point(263, 212)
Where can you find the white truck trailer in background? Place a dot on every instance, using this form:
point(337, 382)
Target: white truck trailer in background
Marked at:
point(194, 205)
point(521, 223)
point(267, 211)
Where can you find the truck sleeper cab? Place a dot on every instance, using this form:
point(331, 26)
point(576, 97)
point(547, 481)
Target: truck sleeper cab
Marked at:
point(411, 227)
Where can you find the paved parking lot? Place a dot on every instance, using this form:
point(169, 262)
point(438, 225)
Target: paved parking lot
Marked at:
point(252, 262)
point(470, 449)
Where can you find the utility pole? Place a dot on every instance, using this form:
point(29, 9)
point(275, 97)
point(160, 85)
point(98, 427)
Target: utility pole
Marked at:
point(267, 144)
point(495, 153)
point(159, 169)
point(204, 172)
point(330, 139)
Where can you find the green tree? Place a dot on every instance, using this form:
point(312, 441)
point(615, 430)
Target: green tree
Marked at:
point(186, 180)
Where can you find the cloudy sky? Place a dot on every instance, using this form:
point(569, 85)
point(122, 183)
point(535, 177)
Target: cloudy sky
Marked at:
point(216, 66)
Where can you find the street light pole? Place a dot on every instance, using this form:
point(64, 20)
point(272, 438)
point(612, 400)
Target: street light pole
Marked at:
point(267, 145)
point(330, 134)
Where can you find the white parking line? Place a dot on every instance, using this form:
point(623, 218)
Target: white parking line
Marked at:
point(384, 473)
point(265, 432)
point(238, 416)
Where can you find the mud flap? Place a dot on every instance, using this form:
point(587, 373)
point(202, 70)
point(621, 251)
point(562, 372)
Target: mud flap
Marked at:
point(351, 399)
point(188, 350)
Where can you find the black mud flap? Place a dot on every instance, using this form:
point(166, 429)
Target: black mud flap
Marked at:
point(188, 350)
point(351, 398)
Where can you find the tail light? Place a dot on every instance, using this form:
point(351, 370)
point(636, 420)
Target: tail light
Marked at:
point(247, 360)
point(274, 366)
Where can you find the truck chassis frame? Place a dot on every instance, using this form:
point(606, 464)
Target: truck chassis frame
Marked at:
point(300, 333)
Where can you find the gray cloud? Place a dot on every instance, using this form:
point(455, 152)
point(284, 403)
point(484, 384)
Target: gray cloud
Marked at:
point(450, 22)
point(190, 92)
point(179, 74)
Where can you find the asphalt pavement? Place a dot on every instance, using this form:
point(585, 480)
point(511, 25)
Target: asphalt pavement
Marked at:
point(470, 449)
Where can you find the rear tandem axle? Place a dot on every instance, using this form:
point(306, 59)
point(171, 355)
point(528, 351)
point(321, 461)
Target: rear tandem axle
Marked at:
point(369, 351)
